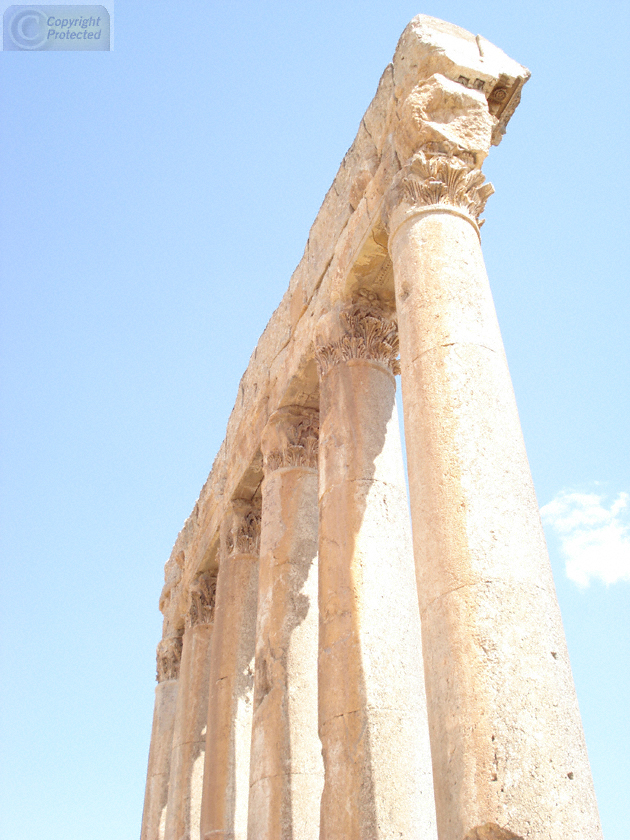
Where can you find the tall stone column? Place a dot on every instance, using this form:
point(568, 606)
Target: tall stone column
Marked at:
point(509, 757)
point(286, 763)
point(228, 743)
point(189, 735)
point(156, 795)
point(372, 711)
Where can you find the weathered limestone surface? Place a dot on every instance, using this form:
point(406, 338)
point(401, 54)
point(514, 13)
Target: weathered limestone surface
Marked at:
point(286, 763)
point(189, 738)
point(506, 736)
point(399, 227)
point(189, 732)
point(226, 774)
point(371, 692)
point(168, 661)
point(156, 794)
point(505, 726)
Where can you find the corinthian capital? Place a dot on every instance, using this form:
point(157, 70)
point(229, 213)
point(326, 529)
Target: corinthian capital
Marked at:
point(433, 178)
point(240, 529)
point(363, 329)
point(202, 595)
point(169, 655)
point(290, 438)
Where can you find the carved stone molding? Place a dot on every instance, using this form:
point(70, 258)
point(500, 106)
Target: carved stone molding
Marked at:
point(169, 655)
point(363, 329)
point(291, 439)
point(202, 598)
point(434, 178)
point(241, 529)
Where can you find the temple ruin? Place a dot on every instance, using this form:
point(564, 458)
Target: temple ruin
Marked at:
point(323, 675)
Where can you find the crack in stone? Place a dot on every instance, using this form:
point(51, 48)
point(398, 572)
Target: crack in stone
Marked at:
point(452, 344)
point(484, 582)
point(342, 714)
point(314, 773)
point(367, 481)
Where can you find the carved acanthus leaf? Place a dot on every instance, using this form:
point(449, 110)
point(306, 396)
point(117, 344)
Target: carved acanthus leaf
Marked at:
point(363, 330)
point(169, 655)
point(243, 535)
point(435, 178)
point(291, 439)
point(202, 598)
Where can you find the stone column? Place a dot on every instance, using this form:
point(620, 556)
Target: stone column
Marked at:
point(156, 795)
point(226, 777)
point(508, 750)
point(189, 735)
point(372, 710)
point(286, 763)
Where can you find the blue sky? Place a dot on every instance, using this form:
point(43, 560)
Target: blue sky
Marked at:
point(155, 201)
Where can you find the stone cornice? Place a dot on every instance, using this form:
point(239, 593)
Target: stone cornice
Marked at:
point(291, 439)
point(362, 329)
point(168, 658)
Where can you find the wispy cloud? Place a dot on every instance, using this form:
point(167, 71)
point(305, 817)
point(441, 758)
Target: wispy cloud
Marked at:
point(595, 539)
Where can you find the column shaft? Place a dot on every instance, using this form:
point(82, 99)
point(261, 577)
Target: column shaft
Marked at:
point(506, 735)
point(286, 762)
point(226, 776)
point(372, 708)
point(156, 794)
point(189, 736)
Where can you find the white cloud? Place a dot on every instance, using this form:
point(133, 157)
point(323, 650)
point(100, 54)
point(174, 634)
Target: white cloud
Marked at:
point(595, 539)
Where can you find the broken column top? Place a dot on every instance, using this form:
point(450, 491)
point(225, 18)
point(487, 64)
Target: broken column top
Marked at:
point(430, 46)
